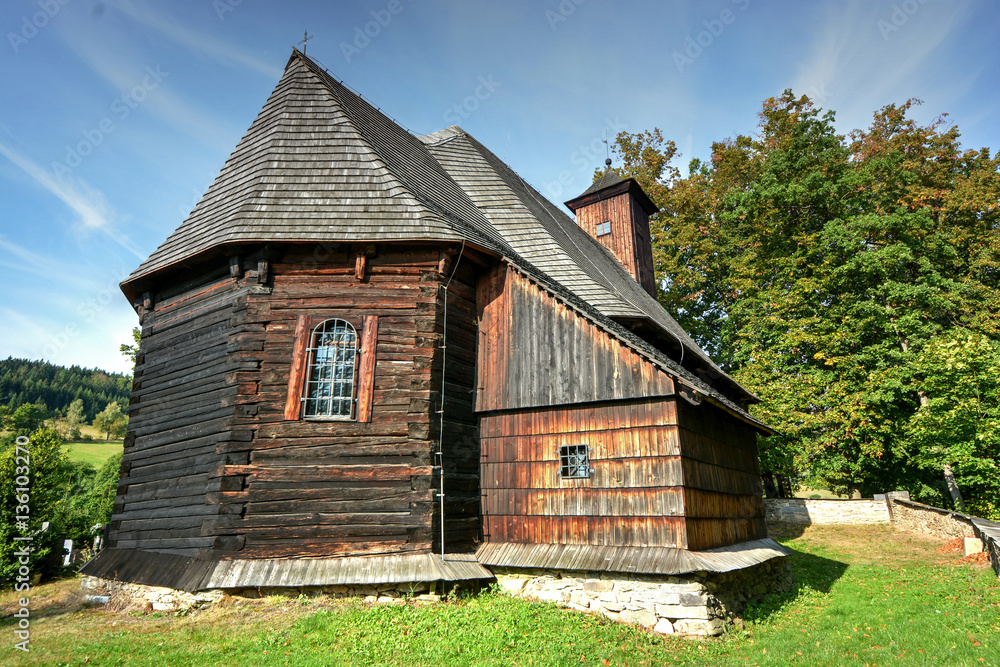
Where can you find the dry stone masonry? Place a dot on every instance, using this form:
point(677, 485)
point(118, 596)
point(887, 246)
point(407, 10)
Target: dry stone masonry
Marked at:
point(699, 603)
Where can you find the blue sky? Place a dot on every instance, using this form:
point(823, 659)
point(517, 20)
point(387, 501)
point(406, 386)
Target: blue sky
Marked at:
point(117, 114)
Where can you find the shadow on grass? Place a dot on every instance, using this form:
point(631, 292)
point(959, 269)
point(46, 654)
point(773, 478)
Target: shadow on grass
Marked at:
point(812, 575)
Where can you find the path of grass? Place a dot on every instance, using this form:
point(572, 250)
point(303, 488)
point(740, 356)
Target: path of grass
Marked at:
point(865, 596)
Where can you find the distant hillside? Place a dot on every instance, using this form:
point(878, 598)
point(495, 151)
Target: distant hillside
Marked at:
point(23, 381)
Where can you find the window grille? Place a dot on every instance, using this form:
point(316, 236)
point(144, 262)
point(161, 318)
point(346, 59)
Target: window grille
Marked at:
point(333, 351)
point(604, 228)
point(574, 462)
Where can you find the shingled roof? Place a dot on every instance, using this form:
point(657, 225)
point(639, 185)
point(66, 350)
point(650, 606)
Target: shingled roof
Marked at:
point(321, 164)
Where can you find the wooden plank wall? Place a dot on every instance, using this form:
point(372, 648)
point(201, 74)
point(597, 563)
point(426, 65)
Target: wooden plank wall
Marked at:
point(344, 488)
point(629, 239)
point(181, 409)
point(634, 498)
point(535, 351)
point(723, 497)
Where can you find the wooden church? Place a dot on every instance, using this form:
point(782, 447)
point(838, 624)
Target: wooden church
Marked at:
point(374, 357)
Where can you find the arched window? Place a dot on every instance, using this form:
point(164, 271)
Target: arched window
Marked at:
point(333, 353)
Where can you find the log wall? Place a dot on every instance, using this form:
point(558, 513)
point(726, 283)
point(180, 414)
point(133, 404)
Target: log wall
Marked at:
point(214, 464)
point(183, 396)
point(347, 488)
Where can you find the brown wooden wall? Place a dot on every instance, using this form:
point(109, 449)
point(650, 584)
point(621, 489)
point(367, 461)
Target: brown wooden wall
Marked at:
point(345, 488)
point(181, 409)
point(723, 498)
point(535, 351)
point(634, 497)
point(212, 465)
point(629, 239)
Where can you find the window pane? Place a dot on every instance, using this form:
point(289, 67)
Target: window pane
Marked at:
point(333, 355)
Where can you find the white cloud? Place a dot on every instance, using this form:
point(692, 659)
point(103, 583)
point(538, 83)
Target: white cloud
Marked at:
point(193, 40)
point(89, 204)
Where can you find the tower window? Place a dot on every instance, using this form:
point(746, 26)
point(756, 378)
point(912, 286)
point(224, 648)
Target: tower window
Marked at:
point(604, 228)
point(574, 462)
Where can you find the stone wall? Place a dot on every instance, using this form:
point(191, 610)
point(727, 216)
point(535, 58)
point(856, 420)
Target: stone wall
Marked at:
point(803, 512)
point(920, 518)
point(700, 603)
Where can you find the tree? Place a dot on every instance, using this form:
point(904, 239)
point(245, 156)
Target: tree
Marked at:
point(26, 419)
point(111, 421)
point(74, 418)
point(131, 351)
point(47, 476)
point(817, 268)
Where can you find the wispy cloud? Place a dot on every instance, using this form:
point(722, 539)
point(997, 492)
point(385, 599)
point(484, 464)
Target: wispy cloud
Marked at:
point(862, 68)
point(89, 204)
point(124, 69)
point(194, 40)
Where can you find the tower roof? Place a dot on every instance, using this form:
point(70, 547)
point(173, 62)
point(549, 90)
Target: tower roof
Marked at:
point(609, 185)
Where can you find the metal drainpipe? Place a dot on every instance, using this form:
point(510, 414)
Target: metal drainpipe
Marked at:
point(444, 359)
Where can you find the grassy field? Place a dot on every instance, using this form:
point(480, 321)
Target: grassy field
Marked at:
point(95, 453)
point(864, 596)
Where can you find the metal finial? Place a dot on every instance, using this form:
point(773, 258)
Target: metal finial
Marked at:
point(305, 40)
point(608, 162)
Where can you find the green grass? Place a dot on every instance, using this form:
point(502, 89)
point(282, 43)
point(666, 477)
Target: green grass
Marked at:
point(865, 596)
point(95, 453)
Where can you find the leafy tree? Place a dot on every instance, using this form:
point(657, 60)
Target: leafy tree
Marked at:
point(817, 269)
point(26, 419)
point(131, 351)
point(74, 418)
point(46, 474)
point(112, 421)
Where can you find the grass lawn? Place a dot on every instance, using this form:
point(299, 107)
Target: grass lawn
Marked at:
point(865, 596)
point(95, 453)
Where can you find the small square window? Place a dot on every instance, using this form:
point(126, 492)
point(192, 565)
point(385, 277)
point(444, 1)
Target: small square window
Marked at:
point(574, 462)
point(604, 228)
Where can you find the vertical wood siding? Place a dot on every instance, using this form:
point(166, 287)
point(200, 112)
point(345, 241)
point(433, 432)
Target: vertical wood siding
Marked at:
point(534, 351)
point(629, 239)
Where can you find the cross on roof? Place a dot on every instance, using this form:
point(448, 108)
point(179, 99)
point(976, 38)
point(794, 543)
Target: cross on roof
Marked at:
point(306, 37)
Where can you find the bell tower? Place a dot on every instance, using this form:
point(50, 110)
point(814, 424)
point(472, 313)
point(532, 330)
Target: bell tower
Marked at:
point(616, 211)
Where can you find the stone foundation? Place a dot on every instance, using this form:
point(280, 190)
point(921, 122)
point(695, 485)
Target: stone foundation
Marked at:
point(699, 603)
point(159, 598)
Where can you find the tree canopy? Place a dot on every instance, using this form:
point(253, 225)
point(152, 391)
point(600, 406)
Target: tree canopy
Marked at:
point(843, 279)
point(23, 382)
